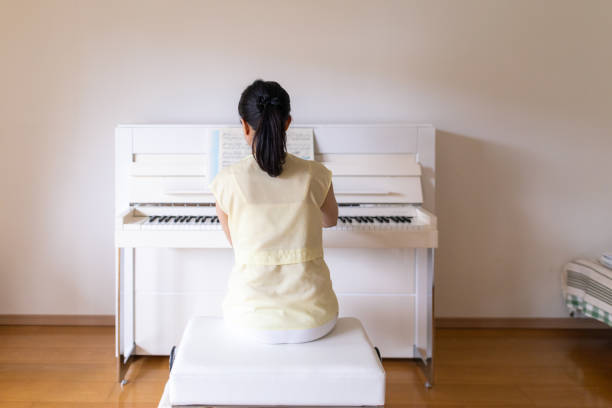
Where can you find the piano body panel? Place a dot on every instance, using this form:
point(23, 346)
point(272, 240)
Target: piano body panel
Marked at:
point(367, 138)
point(377, 189)
point(173, 284)
point(172, 239)
point(168, 189)
point(380, 239)
point(184, 139)
point(331, 239)
point(388, 319)
point(367, 270)
point(382, 275)
point(371, 270)
point(179, 165)
point(183, 270)
point(162, 317)
point(405, 164)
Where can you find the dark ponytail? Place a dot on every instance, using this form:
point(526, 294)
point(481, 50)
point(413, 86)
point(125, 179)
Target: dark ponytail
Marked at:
point(265, 106)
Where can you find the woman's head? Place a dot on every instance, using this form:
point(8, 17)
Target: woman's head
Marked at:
point(264, 108)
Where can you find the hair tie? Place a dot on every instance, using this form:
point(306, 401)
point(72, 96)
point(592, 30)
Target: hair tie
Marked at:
point(262, 102)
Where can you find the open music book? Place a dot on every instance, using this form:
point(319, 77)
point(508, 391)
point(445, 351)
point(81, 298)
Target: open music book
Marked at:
point(229, 146)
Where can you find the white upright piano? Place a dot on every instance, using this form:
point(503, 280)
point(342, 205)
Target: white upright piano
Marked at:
point(173, 259)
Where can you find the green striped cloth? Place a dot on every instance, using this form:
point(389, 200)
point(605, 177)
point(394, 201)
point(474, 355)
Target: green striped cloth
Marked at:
point(587, 289)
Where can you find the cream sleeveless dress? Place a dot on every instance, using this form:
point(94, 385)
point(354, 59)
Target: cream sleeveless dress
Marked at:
point(279, 290)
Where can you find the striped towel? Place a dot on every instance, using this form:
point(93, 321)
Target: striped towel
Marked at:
point(587, 290)
point(606, 260)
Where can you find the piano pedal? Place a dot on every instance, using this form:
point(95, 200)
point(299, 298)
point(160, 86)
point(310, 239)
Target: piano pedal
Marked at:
point(378, 352)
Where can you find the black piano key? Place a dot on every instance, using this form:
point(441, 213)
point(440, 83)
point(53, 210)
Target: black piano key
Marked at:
point(153, 218)
point(370, 219)
point(199, 219)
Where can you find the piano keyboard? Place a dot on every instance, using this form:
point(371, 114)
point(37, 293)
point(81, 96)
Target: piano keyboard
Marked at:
point(206, 223)
point(196, 222)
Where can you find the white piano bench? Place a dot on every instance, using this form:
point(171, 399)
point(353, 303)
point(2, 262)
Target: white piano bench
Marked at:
point(213, 367)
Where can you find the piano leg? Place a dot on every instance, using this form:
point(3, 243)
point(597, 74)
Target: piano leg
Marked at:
point(124, 316)
point(425, 330)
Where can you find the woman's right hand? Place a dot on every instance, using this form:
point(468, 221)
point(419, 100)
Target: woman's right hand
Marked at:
point(330, 209)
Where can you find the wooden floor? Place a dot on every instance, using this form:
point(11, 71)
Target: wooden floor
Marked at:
point(75, 367)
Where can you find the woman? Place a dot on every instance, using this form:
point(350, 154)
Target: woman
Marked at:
point(272, 206)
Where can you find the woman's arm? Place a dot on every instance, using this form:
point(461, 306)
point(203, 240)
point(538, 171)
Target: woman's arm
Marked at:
point(223, 220)
point(330, 209)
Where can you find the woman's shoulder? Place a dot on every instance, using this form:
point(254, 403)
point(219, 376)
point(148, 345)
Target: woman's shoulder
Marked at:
point(318, 169)
point(238, 166)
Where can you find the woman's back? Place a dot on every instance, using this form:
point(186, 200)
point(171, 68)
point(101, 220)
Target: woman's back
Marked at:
point(274, 220)
point(280, 280)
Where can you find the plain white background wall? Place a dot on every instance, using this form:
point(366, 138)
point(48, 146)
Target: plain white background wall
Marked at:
point(520, 92)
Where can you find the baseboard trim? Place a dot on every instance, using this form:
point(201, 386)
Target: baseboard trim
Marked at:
point(518, 323)
point(57, 320)
point(441, 322)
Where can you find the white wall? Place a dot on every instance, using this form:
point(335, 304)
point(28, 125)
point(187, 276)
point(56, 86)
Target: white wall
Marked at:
point(520, 91)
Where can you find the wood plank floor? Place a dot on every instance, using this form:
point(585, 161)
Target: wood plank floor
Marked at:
point(75, 367)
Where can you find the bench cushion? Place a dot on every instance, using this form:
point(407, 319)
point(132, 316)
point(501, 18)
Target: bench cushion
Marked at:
point(213, 366)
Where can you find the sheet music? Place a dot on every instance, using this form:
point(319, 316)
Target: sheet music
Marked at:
point(233, 147)
point(300, 142)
